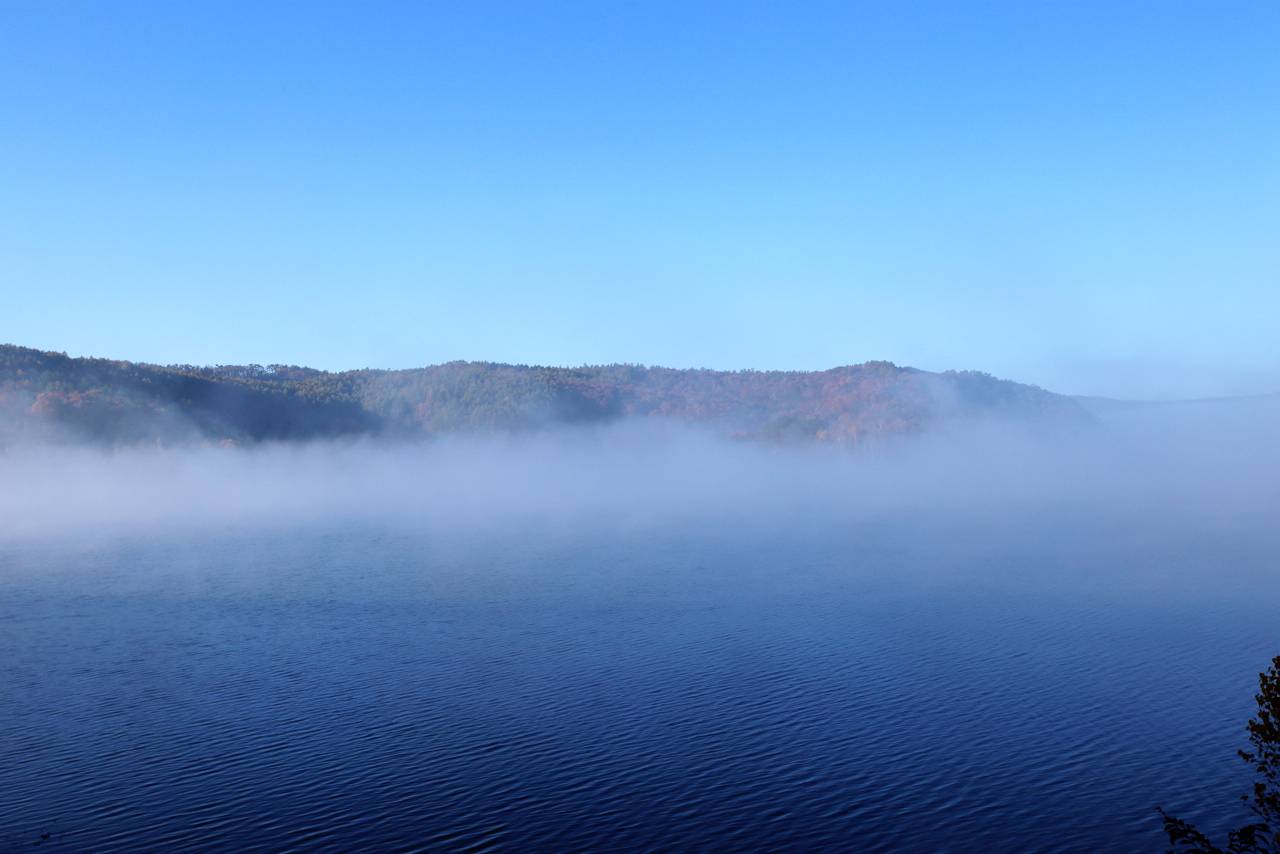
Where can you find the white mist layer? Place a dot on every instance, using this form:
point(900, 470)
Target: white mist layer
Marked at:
point(1215, 466)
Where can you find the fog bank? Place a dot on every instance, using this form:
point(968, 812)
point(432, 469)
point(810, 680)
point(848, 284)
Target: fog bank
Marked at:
point(1215, 466)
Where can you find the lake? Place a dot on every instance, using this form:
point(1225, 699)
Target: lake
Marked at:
point(884, 684)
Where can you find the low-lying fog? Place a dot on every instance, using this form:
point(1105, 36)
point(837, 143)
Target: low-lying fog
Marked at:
point(1214, 464)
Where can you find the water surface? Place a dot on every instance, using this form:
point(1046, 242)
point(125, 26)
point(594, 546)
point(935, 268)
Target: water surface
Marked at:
point(886, 685)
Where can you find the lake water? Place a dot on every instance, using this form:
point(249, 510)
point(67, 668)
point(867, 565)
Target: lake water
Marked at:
point(886, 685)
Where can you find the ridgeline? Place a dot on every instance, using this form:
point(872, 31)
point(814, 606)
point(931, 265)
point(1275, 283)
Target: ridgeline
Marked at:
point(53, 397)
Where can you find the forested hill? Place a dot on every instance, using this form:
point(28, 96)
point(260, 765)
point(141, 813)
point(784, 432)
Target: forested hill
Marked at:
point(52, 396)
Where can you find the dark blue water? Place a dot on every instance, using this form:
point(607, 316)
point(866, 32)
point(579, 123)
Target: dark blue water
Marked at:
point(878, 687)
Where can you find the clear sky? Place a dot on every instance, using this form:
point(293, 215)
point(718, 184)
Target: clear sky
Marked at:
point(1081, 195)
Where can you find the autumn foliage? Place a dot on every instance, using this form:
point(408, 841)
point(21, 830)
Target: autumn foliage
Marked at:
point(123, 401)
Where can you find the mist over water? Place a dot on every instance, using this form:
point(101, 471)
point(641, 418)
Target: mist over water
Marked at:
point(639, 636)
point(1214, 464)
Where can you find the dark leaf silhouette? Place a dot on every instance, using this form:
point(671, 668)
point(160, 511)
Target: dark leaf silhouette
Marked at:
point(1259, 837)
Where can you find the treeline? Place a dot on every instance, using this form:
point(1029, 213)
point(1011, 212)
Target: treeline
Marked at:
point(51, 395)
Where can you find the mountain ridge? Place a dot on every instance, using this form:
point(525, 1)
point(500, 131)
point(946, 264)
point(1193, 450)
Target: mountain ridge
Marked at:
point(49, 394)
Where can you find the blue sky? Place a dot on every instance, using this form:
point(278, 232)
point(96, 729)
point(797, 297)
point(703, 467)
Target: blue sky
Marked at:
point(1082, 195)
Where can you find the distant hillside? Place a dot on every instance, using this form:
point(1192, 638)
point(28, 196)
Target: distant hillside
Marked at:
point(1111, 406)
point(50, 395)
point(1211, 419)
